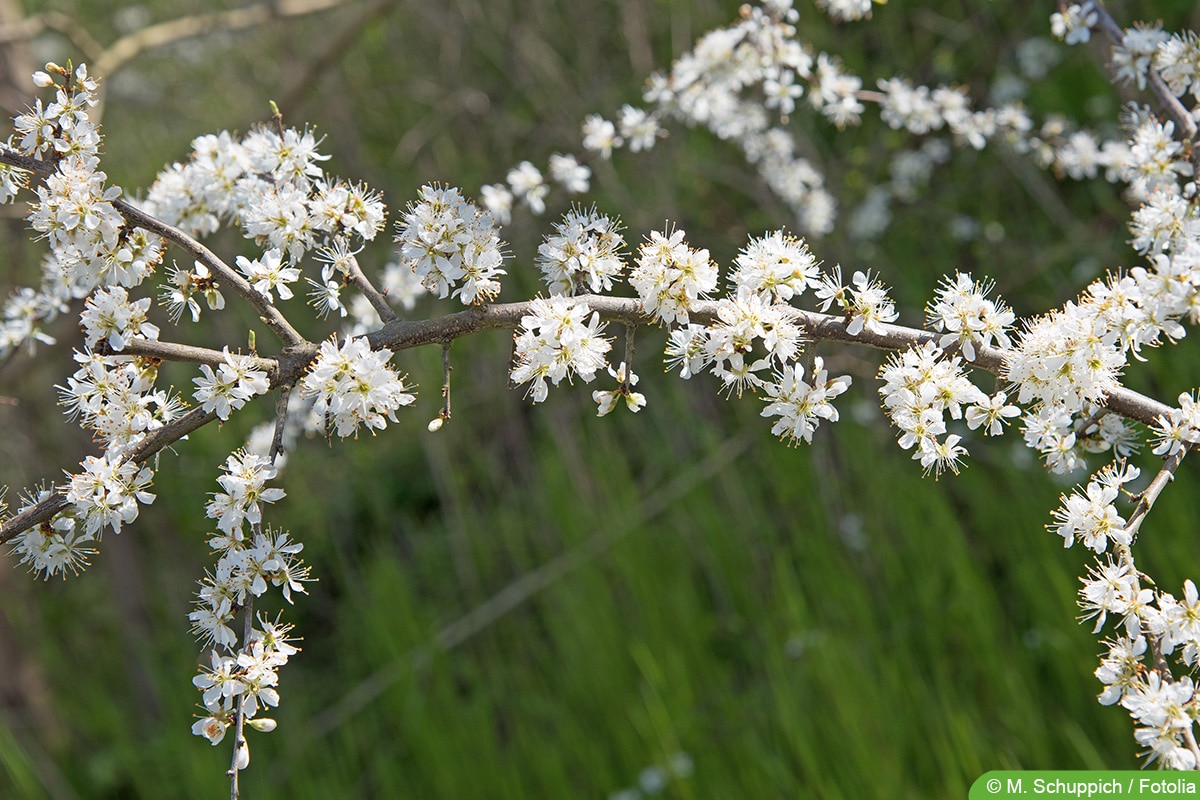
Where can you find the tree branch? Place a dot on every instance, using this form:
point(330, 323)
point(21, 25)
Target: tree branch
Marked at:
point(407, 334)
point(1117, 37)
point(172, 351)
point(269, 314)
point(133, 215)
point(163, 437)
point(31, 26)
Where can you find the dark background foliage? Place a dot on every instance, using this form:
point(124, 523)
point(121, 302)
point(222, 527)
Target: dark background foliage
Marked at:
point(537, 603)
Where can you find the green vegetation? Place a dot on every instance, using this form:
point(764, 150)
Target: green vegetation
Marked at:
point(534, 603)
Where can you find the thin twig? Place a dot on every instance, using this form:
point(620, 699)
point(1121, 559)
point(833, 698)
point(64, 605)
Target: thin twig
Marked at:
point(445, 414)
point(239, 739)
point(172, 351)
point(1168, 98)
point(281, 408)
point(269, 314)
point(373, 295)
point(162, 34)
point(133, 215)
point(163, 437)
point(35, 24)
point(1189, 738)
point(1150, 494)
point(630, 330)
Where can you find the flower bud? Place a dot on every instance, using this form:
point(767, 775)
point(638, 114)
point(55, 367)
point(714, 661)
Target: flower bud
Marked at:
point(243, 755)
point(435, 424)
point(263, 724)
point(41, 80)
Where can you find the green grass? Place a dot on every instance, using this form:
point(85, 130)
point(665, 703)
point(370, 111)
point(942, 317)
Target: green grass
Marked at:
point(537, 603)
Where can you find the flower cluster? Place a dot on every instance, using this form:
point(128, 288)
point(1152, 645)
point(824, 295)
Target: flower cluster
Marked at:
point(268, 273)
point(584, 253)
point(526, 183)
point(353, 385)
point(231, 386)
point(244, 482)
point(55, 547)
point(242, 676)
point(451, 245)
point(962, 309)
point(606, 401)
point(114, 397)
point(185, 285)
point(271, 184)
point(865, 302)
point(107, 492)
point(778, 266)
point(1091, 518)
point(730, 342)
point(1074, 23)
point(242, 685)
point(1066, 359)
point(920, 387)
point(799, 404)
point(557, 339)
point(1153, 625)
point(111, 316)
point(1179, 428)
point(670, 276)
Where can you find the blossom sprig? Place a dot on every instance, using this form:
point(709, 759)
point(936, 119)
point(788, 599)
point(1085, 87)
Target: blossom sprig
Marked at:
point(749, 337)
point(268, 273)
point(583, 253)
point(558, 338)
point(110, 315)
point(250, 560)
point(56, 547)
point(62, 127)
point(1179, 428)
point(1066, 359)
point(235, 381)
point(1073, 24)
point(920, 387)
point(270, 183)
point(452, 245)
point(243, 684)
point(108, 491)
point(353, 385)
point(669, 276)
point(741, 82)
point(185, 285)
point(800, 405)
point(1112, 588)
point(969, 318)
point(243, 673)
point(777, 265)
point(245, 492)
point(115, 397)
point(865, 302)
point(607, 400)
point(1091, 517)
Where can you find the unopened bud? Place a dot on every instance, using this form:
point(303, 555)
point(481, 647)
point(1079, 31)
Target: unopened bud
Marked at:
point(243, 755)
point(41, 80)
point(264, 724)
point(435, 424)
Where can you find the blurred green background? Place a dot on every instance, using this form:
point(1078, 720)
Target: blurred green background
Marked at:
point(537, 603)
